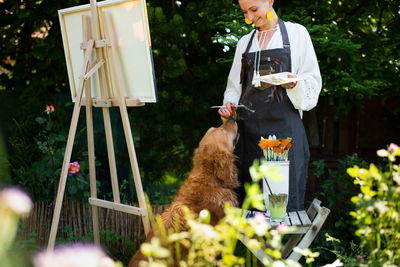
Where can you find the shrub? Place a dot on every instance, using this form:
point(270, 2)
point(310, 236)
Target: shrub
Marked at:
point(336, 190)
point(40, 174)
point(377, 209)
point(208, 245)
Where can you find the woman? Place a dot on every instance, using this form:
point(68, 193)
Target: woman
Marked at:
point(274, 46)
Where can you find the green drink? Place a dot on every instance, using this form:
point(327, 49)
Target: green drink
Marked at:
point(277, 206)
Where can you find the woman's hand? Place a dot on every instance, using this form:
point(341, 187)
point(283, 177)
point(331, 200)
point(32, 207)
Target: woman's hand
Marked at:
point(289, 85)
point(227, 110)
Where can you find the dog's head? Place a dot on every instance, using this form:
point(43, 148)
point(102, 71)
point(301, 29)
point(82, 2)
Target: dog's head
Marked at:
point(215, 157)
point(221, 138)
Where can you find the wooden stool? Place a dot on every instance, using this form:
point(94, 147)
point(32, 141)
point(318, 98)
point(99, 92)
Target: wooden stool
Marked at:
point(307, 224)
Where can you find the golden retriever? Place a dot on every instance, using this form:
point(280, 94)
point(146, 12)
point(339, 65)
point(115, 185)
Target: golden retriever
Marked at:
point(210, 184)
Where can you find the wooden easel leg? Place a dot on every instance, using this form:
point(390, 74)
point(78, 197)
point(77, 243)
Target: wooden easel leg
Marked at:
point(135, 167)
point(92, 166)
point(68, 150)
point(90, 140)
point(127, 128)
point(111, 157)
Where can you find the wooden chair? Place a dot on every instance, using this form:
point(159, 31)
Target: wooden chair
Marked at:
point(307, 224)
point(317, 216)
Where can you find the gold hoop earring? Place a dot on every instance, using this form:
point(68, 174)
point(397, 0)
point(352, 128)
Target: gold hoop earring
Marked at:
point(270, 15)
point(247, 21)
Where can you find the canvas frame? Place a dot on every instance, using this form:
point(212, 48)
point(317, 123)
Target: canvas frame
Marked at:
point(131, 32)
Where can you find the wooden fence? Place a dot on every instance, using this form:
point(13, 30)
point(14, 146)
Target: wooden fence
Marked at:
point(76, 220)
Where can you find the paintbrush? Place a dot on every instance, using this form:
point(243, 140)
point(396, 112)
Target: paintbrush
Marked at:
point(237, 106)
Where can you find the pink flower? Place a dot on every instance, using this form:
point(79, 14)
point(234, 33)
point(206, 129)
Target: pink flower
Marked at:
point(74, 167)
point(259, 217)
point(50, 109)
point(281, 228)
point(393, 148)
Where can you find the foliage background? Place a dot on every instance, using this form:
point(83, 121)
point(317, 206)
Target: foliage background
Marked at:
point(357, 43)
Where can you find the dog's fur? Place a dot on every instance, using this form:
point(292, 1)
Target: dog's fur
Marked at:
point(210, 184)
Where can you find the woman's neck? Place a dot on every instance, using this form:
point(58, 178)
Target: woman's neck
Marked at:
point(270, 24)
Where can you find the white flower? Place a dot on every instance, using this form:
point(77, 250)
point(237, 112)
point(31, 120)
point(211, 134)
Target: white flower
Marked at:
point(78, 255)
point(203, 231)
point(336, 263)
point(205, 215)
point(382, 153)
point(15, 200)
point(259, 224)
point(207, 231)
point(381, 206)
point(278, 264)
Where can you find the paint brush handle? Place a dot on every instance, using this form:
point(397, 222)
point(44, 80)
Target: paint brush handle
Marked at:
point(237, 106)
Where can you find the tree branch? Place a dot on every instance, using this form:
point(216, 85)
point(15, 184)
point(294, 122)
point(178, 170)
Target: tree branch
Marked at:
point(173, 6)
point(379, 27)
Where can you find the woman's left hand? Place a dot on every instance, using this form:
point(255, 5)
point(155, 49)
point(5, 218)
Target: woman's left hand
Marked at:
point(289, 85)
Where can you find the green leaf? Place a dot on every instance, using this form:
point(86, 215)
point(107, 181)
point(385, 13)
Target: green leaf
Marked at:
point(159, 14)
point(353, 172)
point(40, 120)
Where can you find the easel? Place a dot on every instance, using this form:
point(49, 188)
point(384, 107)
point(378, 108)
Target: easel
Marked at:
point(94, 43)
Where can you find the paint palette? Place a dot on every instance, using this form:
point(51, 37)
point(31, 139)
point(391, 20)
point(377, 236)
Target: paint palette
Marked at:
point(280, 78)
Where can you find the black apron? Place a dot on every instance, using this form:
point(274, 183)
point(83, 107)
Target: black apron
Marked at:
point(274, 115)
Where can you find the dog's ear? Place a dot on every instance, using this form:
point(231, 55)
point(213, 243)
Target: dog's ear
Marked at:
point(224, 166)
point(219, 162)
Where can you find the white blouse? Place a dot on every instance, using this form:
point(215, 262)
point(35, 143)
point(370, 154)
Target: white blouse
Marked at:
point(304, 96)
